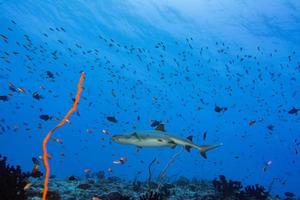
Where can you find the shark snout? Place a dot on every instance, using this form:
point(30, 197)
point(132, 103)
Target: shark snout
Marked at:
point(114, 138)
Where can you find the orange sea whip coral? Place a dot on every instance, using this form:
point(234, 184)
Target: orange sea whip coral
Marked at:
point(62, 122)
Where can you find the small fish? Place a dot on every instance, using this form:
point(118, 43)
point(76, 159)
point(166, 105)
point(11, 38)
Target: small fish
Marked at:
point(204, 135)
point(45, 117)
point(270, 127)
point(118, 162)
point(37, 96)
point(113, 93)
point(22, 90)
point(219, 109)
point(267, 165)
point(35, 161)
point(251, 122)
point(294, 111)
point(12, 87)
point(4, 98)
point(89, 130)
point(112, 119)
point(121, 161)
point(35, 173)
point(49, 74)
point(58, 140)
point(87, 170)
point(106, 132)
point(109, 169)
point(27, 186)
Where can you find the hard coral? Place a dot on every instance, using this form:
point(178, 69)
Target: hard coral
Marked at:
point(115, 196)
point(226, 189)
point(254, 191)
point(151, 196)
point(12, 181)
point(84, 186)
point(182, 181)
point(51, 195)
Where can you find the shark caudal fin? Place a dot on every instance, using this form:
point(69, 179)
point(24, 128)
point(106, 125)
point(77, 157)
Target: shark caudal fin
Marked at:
point(205, 148)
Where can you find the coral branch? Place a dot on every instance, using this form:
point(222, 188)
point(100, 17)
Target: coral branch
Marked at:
point(62, 122)
point(150, 174)
point(171, 161)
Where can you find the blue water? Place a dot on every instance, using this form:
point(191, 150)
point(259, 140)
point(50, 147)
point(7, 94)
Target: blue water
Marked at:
point(172, 61)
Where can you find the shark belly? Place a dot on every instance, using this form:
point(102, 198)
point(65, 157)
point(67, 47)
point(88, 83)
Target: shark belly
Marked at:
point(152, 142)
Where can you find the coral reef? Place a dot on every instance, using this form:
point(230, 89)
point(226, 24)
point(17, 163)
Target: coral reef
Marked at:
point(289, 196)
point(226, 189)
point(254, 191)
point(232, 190)
point(114, 188)
point(115, 196)
point(12, 181)
point(151, 196)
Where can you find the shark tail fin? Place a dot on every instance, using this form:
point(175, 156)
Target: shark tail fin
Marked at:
point(205, 148)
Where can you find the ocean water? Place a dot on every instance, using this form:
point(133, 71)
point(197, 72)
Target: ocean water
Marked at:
point(176, 62)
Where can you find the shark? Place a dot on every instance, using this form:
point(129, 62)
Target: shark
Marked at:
point(158, 137)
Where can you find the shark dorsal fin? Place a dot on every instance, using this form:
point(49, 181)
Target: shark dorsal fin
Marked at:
point(134, 134)
point(160, 127)
point(190, 138)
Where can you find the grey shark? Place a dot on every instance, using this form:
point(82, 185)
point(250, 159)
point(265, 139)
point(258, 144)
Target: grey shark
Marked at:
point(160, 138)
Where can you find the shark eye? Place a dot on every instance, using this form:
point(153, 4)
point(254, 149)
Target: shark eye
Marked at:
point(159, 140)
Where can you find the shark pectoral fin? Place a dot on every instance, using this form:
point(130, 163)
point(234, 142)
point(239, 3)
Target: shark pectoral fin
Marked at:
point(138, 148)
point(205, 148)
point(160, 127)
point(188, 148)
point(172, 143)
